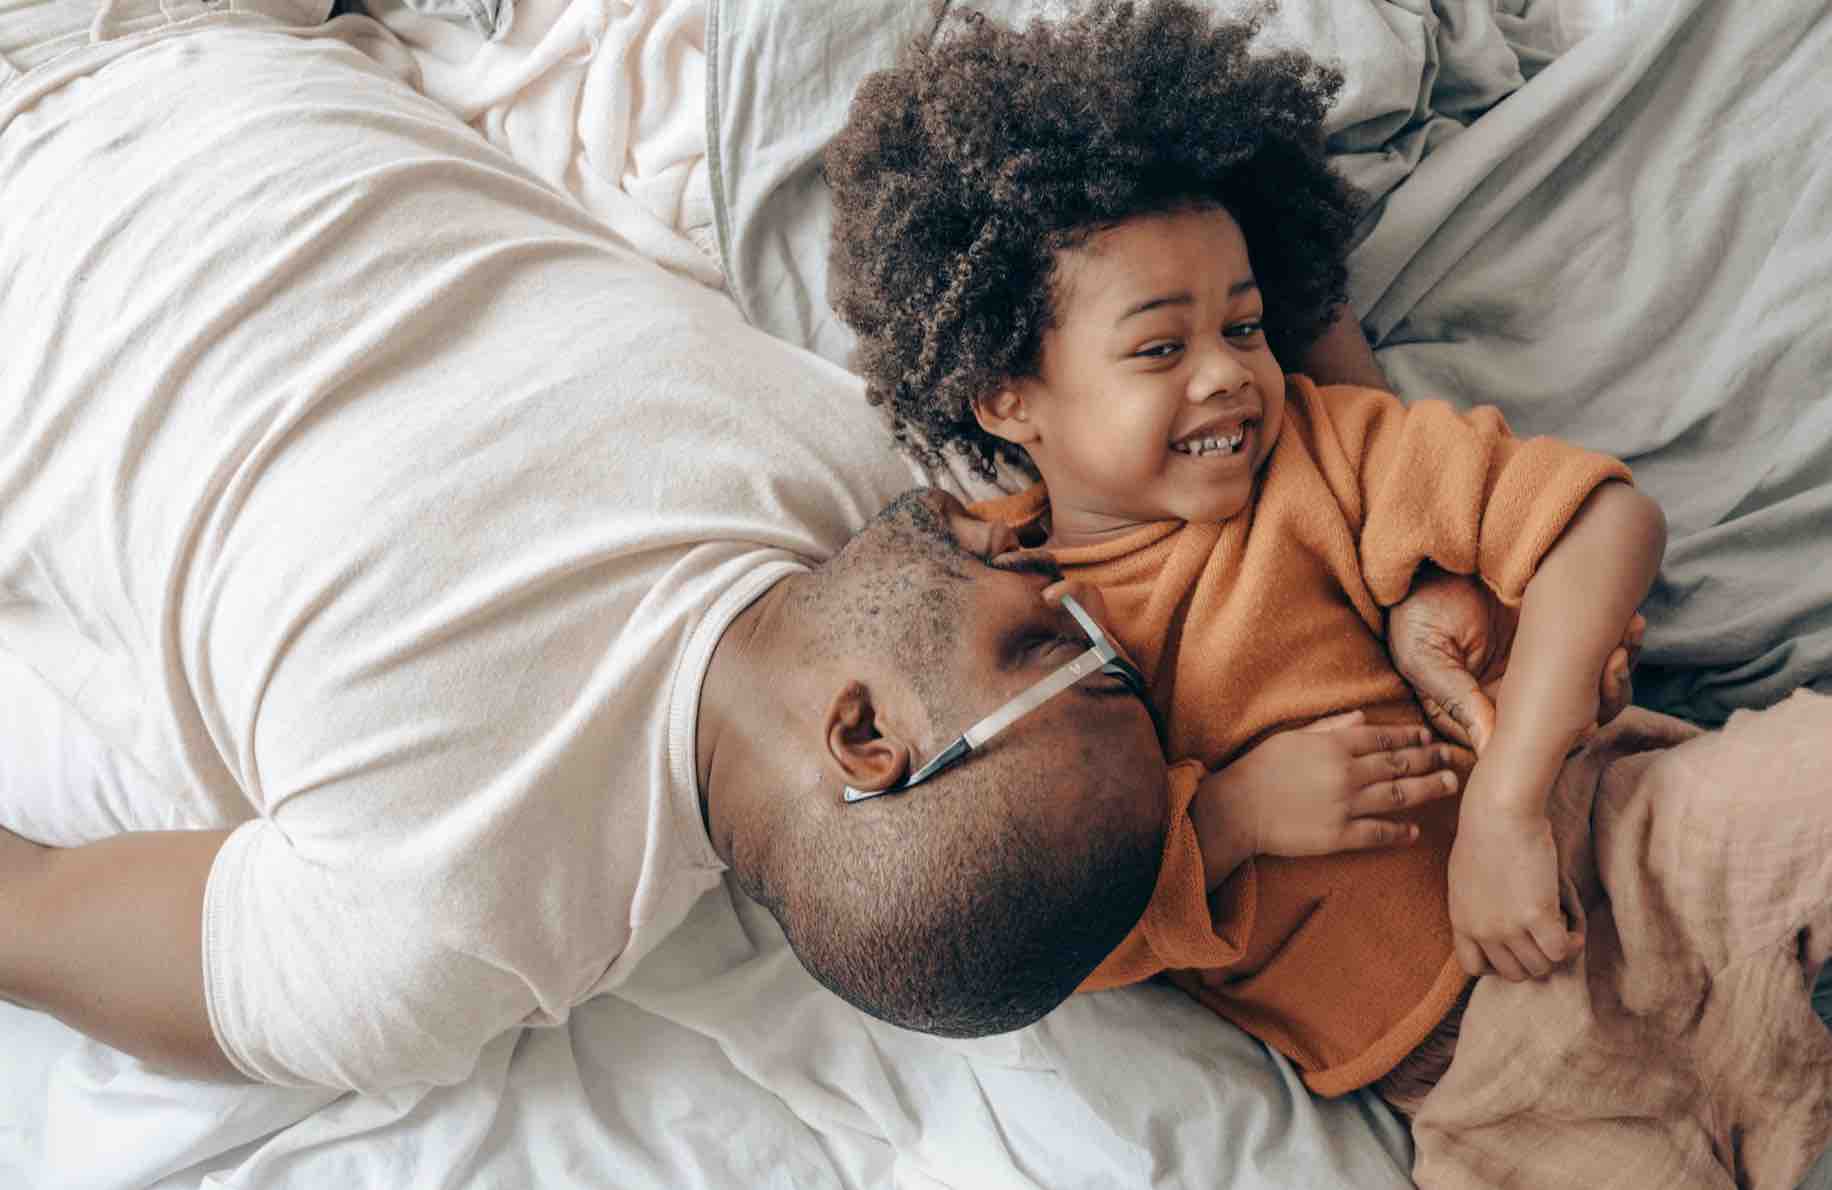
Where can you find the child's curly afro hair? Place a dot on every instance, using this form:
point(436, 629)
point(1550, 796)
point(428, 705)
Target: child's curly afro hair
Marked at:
point(963, 171)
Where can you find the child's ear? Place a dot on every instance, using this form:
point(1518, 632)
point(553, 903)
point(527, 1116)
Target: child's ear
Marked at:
point(1005, 413)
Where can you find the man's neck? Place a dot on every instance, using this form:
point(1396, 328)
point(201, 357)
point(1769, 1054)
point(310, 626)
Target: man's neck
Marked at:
point(752, 661)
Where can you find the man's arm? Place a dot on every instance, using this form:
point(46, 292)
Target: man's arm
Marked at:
point(108, 938)
point(1450, 638)
point(1341, 356)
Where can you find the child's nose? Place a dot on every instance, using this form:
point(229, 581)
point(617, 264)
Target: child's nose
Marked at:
point(1218, 374)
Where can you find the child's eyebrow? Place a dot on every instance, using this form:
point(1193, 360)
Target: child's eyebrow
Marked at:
point(1244, 285)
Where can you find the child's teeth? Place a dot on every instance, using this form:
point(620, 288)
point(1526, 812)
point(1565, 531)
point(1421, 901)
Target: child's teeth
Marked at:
point(1209, 444)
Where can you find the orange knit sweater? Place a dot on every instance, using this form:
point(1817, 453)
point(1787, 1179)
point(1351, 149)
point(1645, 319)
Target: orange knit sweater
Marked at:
point(1276, 618)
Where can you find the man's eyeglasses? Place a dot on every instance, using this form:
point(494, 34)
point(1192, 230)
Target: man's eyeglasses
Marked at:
point(1101, 657)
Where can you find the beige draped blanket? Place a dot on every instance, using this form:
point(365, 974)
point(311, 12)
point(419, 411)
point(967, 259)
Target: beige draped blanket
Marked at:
point(1681, 1050)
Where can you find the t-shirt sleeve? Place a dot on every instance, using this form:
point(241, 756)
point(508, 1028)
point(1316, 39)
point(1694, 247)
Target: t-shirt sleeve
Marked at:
point(1183, 927)
point(1452, 488)
point(440, 851)
point(323, 975)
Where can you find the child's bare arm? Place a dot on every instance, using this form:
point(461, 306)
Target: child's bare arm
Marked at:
point(1503, 877)
point(1572, 616)
point(108, 938)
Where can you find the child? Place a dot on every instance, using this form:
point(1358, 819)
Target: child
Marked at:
point(1083, 249)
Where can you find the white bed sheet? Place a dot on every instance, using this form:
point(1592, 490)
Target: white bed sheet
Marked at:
point(724, 1065)
point(601, 99)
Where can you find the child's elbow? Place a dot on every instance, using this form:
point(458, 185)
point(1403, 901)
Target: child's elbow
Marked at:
point(1653, 523)
point(1643, 521)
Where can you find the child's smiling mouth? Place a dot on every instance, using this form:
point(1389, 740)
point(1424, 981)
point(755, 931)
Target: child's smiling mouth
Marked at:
point(1210, 442)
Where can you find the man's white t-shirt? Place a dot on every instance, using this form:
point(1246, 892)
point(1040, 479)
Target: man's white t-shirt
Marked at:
point(359, 490)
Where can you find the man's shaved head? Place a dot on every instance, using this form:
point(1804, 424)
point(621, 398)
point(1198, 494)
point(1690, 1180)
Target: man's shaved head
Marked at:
point(977, 902)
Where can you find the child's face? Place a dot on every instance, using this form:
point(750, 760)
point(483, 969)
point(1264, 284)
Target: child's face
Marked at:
point(1156, 396)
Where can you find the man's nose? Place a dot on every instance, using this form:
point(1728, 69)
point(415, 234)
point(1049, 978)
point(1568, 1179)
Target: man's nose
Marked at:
point(995, 538)
point(982, 539)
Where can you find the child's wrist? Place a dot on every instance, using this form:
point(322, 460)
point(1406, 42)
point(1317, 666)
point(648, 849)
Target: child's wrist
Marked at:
point(1540, 717)
point(1515, 772)
point(1224, 831)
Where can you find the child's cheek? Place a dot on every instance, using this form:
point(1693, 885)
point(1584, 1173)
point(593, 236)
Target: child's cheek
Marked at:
point(1273, 426)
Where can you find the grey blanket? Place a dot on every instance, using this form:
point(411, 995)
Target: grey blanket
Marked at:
point(1635, 252)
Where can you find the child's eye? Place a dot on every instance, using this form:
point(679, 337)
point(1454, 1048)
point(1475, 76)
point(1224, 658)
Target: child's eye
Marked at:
point(1244, 330)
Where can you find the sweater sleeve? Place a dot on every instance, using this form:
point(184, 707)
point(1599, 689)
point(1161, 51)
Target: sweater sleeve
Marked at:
point(1456, 489)
point(1182, 927)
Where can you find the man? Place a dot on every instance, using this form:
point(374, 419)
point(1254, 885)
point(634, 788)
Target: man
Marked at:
point(410, 605)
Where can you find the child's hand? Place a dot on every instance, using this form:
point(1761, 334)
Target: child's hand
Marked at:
point(1332, 786)
point(1504, 910)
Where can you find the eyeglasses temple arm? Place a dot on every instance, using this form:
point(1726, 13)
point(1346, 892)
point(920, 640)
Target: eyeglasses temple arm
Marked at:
point(947, 756)
point(1102, 645)
point(977, 735)
point(1046, 689)
point(1101, 654)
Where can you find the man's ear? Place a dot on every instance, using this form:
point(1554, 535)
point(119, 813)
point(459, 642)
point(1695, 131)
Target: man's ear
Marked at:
point(1005, 413)
point(869, 753)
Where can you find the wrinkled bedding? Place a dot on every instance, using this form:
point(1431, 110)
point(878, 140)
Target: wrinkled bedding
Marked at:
point(600, 99)
point(1488, 271)
point(1636, 253)
point(1415, 74)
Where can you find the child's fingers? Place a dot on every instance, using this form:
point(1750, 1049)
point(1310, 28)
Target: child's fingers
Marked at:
point(1552, 939)
point(1535, 948)
point(1366, 834)
point(1371, 741)
point(1527, 953)
point(1474, 962)
point(1386, 795)
point(1403, 760)
point(1502, 961)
